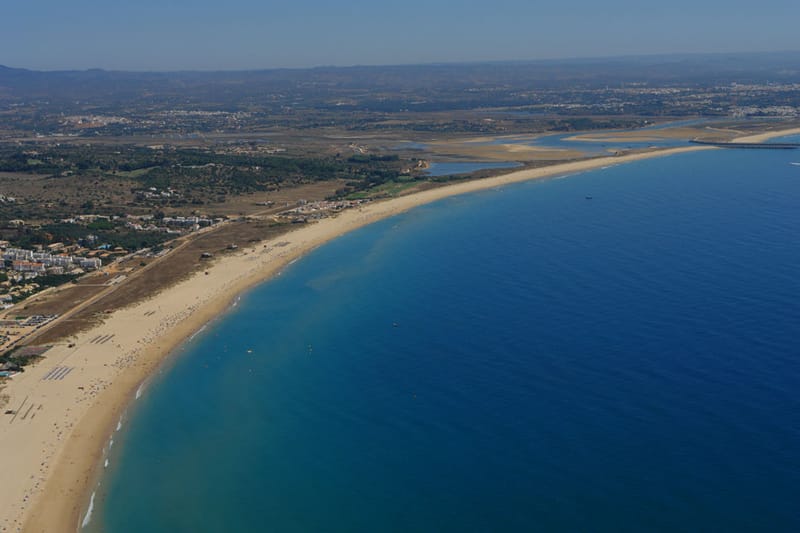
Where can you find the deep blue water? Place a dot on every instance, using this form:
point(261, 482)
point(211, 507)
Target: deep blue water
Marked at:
point(522, 359)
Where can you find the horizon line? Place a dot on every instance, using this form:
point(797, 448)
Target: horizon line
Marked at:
point(664, 55)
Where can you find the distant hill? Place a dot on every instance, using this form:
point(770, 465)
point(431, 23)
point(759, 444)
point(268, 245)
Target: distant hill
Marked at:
point(235, 88)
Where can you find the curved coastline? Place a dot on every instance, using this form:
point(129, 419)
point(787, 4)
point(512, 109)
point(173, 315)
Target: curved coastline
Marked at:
point(75, 458)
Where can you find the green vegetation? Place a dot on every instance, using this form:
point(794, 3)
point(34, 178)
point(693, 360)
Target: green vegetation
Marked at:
point(195, 176)
point(391, 188)
point(136, 173)
point(14, 362)
point(52, 280)
point(113, 235)
point(18, 358)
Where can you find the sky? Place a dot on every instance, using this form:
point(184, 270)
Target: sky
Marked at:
point(251, 34)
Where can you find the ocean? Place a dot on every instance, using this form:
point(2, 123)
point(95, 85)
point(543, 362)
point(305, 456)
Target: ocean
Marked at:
point(610, 351)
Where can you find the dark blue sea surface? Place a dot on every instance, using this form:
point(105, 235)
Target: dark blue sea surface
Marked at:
point(522, 359)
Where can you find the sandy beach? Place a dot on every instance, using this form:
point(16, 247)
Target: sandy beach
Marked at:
point(762, 137)
point(68, 406)
point(480, 148)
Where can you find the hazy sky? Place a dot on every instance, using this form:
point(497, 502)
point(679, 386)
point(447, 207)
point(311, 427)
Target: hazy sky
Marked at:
point(236, 34)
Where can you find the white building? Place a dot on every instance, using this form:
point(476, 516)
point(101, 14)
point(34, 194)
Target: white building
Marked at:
point(28, 266)
point(89, 263)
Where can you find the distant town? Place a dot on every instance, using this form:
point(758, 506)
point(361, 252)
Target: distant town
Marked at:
point(107, 195)
point(49, 263)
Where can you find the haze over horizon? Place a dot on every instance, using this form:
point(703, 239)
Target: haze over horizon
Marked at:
point(245, 34)
point(499, 61)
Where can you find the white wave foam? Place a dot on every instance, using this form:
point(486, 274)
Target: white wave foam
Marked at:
point(199, 331)
point(88, 517)
point(139, 391)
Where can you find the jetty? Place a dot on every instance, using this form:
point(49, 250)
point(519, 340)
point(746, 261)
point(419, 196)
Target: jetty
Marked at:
point(752, 146)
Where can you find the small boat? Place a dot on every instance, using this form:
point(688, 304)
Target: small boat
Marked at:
point(795, 164)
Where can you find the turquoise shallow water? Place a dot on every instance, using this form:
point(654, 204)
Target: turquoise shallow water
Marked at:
point(522, 359)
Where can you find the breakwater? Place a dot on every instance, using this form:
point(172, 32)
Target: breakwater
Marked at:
point(756, 146)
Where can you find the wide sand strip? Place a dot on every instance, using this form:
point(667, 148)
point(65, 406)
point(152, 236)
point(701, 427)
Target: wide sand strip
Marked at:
point(763, 137)
point(69, 405)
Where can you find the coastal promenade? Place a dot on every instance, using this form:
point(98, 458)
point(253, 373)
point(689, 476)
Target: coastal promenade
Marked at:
point(51, 455)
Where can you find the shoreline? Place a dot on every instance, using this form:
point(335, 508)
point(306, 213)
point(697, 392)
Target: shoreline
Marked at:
point(54, 484)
